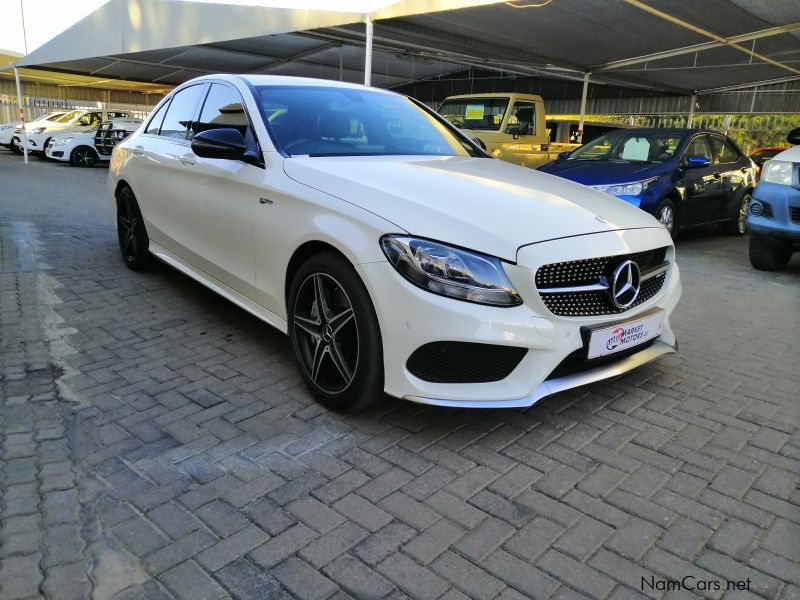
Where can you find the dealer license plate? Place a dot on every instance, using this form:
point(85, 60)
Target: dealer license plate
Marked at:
point(623, 336)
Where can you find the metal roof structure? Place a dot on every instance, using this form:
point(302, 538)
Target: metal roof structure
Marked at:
point(677, 47)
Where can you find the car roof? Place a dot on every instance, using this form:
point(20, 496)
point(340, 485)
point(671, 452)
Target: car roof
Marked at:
point(668, 130)
point(288, 81)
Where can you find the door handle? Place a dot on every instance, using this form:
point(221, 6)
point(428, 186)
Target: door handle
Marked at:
point(188, 159)
point(138, 151)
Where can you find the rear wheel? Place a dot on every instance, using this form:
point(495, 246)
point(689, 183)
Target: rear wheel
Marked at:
point(335, 333)
point(83, 156)
point(738, 225)
point(132, 235)
point(667, 215)
point(766, 255)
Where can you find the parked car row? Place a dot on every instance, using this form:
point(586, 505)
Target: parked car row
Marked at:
point(80, 137)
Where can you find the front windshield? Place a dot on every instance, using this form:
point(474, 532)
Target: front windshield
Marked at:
point(480, 114)
point(332, 121)
point(67, 117)
point(52, 116)
point(630, 146)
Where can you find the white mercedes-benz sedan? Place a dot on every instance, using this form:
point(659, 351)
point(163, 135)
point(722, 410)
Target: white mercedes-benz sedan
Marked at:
point(393, 251)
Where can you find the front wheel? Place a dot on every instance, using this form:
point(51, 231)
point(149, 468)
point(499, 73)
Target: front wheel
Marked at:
point(667, 215)
point(769, 256)
point(335, 333)
point(83, 156)
point(738, 225)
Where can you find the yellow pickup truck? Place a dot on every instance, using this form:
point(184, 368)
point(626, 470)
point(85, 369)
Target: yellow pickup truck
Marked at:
point(511, 126)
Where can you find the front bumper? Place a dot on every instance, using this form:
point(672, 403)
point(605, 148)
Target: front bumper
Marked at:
point(781, 220)
point(411, 317)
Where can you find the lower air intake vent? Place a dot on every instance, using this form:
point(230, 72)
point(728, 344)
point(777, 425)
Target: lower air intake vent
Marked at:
point(464, 362)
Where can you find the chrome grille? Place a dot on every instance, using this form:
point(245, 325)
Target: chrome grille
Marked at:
point(595, 273)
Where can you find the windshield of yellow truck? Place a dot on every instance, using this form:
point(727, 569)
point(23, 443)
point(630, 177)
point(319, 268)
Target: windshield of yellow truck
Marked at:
point(481, 114)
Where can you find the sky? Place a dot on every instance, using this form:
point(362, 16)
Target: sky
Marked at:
point(44, 19)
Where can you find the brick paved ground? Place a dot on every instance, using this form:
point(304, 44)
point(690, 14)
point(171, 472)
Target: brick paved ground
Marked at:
point(157, 442)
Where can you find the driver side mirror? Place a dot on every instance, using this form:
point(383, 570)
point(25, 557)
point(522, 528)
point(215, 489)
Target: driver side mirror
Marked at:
point(479, 142)
point(521, 128)
point(794, 136)
point(224, 143)
point(696, 162)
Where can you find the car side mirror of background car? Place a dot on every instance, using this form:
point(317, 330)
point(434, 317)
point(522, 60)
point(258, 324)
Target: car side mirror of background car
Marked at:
point(225, 143)
point(794, 136)
point(563, 155)
point(696, 162)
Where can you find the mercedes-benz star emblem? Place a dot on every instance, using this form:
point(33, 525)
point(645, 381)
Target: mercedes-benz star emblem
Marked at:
point(625, 284)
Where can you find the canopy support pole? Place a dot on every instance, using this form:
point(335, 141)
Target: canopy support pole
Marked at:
point(368, 56)
point(692, 102)
point(583, 106)
point(21, 116)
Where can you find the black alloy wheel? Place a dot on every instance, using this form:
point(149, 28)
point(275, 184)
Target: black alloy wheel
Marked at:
point(83, 156)
point(133, 240)
point(335, 334)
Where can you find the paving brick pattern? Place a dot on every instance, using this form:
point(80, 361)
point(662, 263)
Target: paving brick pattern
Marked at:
point(157, 442)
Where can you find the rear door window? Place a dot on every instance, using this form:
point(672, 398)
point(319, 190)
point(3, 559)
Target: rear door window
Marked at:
point(179, 122)
point(155, 121)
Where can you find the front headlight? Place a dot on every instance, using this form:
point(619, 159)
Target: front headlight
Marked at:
point(449, 271)
point(625, 189)
point(777, 171)
point(39, 129)
point(61, 141)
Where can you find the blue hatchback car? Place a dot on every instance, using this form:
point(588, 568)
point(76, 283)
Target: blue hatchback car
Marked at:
point(774, 218)
point(684, 177)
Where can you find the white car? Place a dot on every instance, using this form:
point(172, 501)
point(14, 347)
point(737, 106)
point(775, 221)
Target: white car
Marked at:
point(7, 130)
point(86, 148)
point(70, 122)
point(395, 253)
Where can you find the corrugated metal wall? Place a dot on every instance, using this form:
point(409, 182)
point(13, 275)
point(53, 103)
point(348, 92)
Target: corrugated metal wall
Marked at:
point(39, 99)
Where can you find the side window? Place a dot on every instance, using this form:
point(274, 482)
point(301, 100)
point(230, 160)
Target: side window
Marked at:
point(698, 147)
point(724, 151)
point(117, 115)
point(179, 120)
point(155, 121)
point(223, 108)
point(523, 116)
point(92, 118)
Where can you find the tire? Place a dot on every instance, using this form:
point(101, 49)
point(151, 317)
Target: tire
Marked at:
point(41, 153)
point(338, 349)
point(13, 147)
point(769, 256)
point(83, 156)
point(738, 225)
point(667, 215)
point(131, 233)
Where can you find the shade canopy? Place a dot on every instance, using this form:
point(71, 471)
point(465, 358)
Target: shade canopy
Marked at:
point(683, 47)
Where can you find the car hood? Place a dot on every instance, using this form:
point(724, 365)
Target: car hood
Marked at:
point(479, 203)
point(589, 172)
